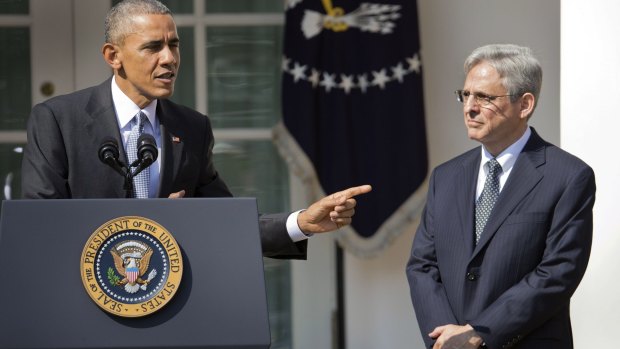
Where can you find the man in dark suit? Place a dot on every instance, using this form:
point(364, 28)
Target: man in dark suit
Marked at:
point(66, 132)
point(505, 236)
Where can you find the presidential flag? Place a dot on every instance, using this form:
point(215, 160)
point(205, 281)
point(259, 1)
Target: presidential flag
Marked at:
point(352, 102)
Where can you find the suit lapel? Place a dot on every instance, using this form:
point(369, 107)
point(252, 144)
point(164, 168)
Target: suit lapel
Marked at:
point(100, 124)
point(171, 148)
point(523, 178)
point(466, 194)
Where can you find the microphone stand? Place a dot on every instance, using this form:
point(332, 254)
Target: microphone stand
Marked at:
point(147, 154)
point(128, 186)
point(139, 165)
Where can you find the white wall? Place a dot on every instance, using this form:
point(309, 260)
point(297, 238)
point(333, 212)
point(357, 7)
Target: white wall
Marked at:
point(378, 308)
point(590, 123)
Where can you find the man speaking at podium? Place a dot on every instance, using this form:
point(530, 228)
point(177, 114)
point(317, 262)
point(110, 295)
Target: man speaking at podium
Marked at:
point(66, 133)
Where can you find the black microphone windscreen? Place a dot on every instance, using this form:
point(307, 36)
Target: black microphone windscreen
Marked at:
point(108, 150)
point(147, 148)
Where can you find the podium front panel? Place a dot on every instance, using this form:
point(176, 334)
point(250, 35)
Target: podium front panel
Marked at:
point(221, 301)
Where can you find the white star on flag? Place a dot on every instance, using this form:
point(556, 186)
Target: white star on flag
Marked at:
point(414, 63)
point(299, 72)
point(380, 78)
point(328, 81)
point(399, 72)
point(347, 83)
point(314, 78)
point(362, 82)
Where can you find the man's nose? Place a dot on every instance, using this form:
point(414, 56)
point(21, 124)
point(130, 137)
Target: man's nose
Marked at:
point(167, 56)
point(470, 106)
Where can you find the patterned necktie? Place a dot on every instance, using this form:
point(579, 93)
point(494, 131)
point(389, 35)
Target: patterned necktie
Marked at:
point(489, 196)
point(141, 180)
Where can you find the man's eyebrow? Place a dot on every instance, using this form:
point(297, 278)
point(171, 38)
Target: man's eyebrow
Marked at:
point(477, 92)
point(157, 43)
point(152, 43)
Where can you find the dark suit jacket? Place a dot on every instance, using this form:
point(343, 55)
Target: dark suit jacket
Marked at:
point(514, 287)
point(65, 133)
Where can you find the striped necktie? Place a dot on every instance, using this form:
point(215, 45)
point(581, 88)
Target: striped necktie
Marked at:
point(490, 193)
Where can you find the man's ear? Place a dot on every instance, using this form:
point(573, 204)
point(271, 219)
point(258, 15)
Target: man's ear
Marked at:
point(528, 101)
point(111, 55)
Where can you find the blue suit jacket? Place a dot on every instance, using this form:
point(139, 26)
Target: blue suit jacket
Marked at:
point(514, 287)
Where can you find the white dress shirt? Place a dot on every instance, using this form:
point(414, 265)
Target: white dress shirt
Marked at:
point(506, 159)
point(126, 110)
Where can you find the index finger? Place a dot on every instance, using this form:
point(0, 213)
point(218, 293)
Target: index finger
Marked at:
point(354, 191)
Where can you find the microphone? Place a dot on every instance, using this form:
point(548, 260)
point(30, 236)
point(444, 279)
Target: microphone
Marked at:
point(108, 154)
point(147, 152)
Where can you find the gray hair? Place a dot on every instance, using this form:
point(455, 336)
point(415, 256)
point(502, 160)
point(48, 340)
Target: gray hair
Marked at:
point(519, 69)
point(119, 21)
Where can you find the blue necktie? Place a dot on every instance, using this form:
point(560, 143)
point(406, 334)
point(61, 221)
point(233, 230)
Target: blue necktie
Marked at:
point(489, 196)
point(140, 181)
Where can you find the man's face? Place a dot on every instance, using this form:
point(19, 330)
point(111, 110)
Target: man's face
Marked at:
point(499, 123)
point(149, 59)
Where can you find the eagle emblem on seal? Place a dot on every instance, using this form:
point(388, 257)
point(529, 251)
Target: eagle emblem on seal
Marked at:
point(131, 260)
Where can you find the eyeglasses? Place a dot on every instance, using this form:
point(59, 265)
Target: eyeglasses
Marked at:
point(480, 98)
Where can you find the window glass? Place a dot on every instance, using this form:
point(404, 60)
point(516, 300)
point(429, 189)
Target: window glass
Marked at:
point(15, 78)
point(278, 284)
point(243, 75)
point(14, 7)
point(254, 169)
point(245, 6)
point(175, 6)
point(179, 6)
point(185, 85)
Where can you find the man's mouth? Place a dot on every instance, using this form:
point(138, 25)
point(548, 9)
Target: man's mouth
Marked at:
point(472, 122)
point(168, 75)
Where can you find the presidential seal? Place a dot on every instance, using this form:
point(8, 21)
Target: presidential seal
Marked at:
point(131, 266)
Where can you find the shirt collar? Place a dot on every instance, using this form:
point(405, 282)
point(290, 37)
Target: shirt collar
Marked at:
point(126, 109)
point(508, 157)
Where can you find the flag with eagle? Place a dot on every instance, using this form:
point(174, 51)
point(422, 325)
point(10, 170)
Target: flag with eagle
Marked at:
point(353, 110)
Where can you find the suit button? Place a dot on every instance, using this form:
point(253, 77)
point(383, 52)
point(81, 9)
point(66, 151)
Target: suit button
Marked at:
point(472, 276)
